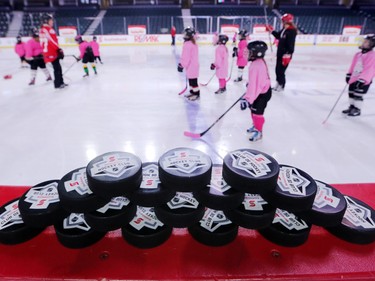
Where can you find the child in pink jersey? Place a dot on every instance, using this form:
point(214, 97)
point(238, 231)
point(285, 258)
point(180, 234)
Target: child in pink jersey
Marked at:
point(360, 75)
point(221, 63)
point(190, 61)
point(34, 55)
point(95, 48)
point(258, 91)
point(86, 55)
point(241, 53)
point(19, 49)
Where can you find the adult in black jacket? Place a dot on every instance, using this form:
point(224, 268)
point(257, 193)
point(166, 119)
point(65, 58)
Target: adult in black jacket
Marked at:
point(285, 49)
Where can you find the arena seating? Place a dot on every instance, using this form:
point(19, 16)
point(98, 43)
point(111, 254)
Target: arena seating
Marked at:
point(5, 18)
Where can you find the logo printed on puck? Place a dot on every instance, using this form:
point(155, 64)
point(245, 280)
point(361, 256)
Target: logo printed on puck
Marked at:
point(184, 162)
point(254, 164)
point(324, 197)
point(213, 219)
point(357, 215)
point(76, 221)
point(217, 181)
point(150, 177)
point(42, 196)
point(183, 200)
point(289, 220)
point(292, 182)
point(116, 203)
point(145, 217)
point(11, 216)
point(253, 202)
point(78, 183)
point(113, 165)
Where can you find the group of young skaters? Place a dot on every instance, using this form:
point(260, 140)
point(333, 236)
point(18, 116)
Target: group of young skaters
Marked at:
point(258, 88)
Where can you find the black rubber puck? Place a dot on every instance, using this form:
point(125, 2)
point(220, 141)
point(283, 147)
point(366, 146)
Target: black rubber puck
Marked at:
point(250, 171)
point(12, 228)
point(182, 211)
point(328, 208)
point(286, 230)
point(114, 174)
point(115, 214)
point(40, 205)
point(253, 213)
point(145, 230)
point(75, 194)
point(185, 169)
point(214, 229)
point(151, 192)
point(295, 191)
point(218, 194)
point(358, 223)
point(74, 232)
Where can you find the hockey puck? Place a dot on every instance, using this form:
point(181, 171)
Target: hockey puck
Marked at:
point(182, 211)
point(75, 194)
point(8, 76)
point(115, 214)
point(250, 171)
point(114, 174)
point(145, 230)
point(40, 205)
point(75, 233)
point(358, 223)
point(12, 228)
point(218, 194)
point(151, 192)
point(328, 208)
point(185, 169)
point(295, 191)
point(286, 230)
point(214, 229)
point(253, 213)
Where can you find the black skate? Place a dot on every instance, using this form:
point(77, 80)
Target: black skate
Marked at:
point(354, 111)
point(346, 111)
point(221, 91)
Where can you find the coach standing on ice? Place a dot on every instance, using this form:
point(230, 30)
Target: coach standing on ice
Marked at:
point(285, 49)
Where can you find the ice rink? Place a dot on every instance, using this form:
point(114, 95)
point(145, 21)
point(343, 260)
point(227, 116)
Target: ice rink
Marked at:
point(133, 105)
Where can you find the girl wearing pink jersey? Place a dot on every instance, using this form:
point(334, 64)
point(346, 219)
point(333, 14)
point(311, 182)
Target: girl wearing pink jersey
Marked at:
point(86, 55)
point(221, 63)
point(95, 48)
point(190, 61)
point(240, 53)
point(19, 49)
point(360, 75)
point(34, 55)
point(258, 91)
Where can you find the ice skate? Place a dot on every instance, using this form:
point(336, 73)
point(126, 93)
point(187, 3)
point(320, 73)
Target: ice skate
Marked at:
point(221, 91)
point(192, 97)
point(251, 129)
point(49, 78)
point(346, 111)
point(354, 111)
point(239, 79)
point(257, 135)
point(32, 82)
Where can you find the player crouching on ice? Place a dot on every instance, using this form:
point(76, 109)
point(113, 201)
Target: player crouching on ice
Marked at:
point(190, 61)
point(221, 63)
point(360, 75)
point(258, 91)
point(240, 53)
point(86, 55)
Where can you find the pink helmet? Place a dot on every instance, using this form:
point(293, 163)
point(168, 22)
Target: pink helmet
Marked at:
point(287, 18)
point(78, 38)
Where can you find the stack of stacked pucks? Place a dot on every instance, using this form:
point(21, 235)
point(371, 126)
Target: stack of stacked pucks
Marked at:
point(295, 192)
point(185, 171)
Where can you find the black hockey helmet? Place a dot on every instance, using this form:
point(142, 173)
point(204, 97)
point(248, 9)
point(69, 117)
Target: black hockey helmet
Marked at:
point(189, 32)
point(34, 32)
point(223, 39)
point(371, 39)
point(94, 38)
point(46, 17)
point(243, 33)
point(257, 49)
point(19, 38)
point(78, 39)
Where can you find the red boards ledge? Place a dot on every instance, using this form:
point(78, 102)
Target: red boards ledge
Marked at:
point(249, 257)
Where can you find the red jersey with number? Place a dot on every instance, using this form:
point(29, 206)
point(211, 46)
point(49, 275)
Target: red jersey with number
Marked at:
point(49, 42)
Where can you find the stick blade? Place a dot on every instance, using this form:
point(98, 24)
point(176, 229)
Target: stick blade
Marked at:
point(192, 135)
point(183, 91)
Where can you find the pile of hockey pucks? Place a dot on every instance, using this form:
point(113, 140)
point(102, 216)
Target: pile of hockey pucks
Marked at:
point(185, 190)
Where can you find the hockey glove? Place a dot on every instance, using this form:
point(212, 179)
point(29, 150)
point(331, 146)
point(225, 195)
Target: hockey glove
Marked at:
point(347, 78)
point(359, 85)
point(213, 66)
point(244, 104)
point(77, 59)
point(269, 28)
point(286, 59)
point(180, 68)
point(235, 52)
point(60, 54)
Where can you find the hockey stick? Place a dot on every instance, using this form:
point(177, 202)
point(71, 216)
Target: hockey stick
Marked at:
point(269, 34)
point(186, 86)
point(231, 70)
point(69, 68)
point(329, 114)
point(205, 84)
point(196, 136)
